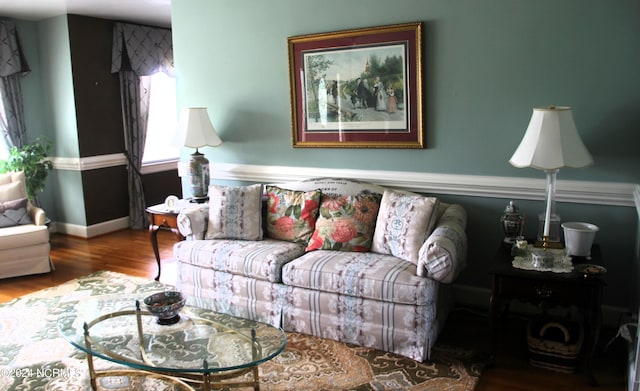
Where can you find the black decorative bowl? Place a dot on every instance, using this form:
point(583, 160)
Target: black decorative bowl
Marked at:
point(165, 306)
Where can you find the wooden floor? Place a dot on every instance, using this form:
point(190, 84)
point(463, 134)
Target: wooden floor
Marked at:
point(130, 252)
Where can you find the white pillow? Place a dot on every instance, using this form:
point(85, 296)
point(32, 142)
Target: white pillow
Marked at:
point(235, 212)
point(12, 176)
point(404, 221)
point(12, 191)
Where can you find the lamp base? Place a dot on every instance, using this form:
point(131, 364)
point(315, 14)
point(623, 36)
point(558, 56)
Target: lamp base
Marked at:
point(553, 240)
point(540, 244)
point(198, 175)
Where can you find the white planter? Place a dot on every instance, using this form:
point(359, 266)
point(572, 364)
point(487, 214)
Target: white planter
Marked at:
point(578, 238)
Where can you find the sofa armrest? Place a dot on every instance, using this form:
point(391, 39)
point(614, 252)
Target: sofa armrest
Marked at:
point(444, 253)
point(192, 222)
point(37, 215)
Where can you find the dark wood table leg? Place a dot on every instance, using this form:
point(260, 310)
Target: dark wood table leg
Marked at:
point(153, 235)
point(594, 322)
point(493, 320)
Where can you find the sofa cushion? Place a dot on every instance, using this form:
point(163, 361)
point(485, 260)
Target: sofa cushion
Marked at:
point(23, 235)
point(291, 215)
point(366, 275)
point(346, 223)
point(14, 212)
point(261, 260)
point(235, 212)
point(404, 222)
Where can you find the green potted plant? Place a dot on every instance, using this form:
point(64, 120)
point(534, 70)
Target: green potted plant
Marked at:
point(32, 159)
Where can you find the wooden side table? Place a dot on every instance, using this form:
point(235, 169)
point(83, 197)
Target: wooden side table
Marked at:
point(161, 218)
point(549, 289)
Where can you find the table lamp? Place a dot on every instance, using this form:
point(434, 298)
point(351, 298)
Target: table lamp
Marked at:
point(199, 132)
point(551, 142)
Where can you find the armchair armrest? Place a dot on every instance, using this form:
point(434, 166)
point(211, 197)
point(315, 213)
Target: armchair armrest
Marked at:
point(37, 215)
point(444, 253)
point(192, 222)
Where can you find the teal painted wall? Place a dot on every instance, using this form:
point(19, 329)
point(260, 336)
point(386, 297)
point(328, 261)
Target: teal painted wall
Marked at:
point(59, 109)
point(35, 108)
point(49, 109)
point(487, 63)
point(57, 86)
point(34, 98)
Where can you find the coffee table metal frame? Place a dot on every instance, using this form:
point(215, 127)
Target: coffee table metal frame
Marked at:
point(208, 377)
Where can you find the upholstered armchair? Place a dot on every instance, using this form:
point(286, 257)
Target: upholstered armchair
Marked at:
point(24, 237)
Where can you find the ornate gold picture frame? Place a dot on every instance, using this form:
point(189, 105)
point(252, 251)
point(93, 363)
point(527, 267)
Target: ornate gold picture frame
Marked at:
point(358, 88)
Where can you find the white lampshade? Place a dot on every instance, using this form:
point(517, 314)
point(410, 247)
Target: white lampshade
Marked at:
point(551, 141)
point(197, 127)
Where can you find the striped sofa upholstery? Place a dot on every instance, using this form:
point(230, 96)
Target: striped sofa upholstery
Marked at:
point(364, 298)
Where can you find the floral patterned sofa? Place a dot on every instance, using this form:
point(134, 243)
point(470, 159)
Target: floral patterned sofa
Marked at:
point(335, 258)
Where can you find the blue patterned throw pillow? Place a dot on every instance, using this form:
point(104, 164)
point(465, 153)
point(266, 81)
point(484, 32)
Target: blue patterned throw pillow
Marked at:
point(404, 222)
point(235, 212)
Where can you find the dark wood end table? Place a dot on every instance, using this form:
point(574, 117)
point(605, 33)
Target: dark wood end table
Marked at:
point(549, 289)
point(161, 218)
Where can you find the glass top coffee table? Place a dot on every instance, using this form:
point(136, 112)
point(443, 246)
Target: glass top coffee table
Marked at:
point(203, 347)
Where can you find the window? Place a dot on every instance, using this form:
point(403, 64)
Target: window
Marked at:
point(160, 144)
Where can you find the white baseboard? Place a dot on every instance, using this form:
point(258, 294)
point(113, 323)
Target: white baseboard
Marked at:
point(472, 296)
point(92, 230)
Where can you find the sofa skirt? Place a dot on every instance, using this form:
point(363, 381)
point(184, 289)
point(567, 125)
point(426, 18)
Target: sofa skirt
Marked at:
point(232, 294)
point(407, 330)
point(25, 260)
point(404, 329)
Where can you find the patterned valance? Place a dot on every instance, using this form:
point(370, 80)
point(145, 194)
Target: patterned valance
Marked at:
point(12, 58)
point(142, 49)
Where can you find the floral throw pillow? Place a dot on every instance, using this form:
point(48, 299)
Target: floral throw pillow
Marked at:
point(404, 222)
point(235, 212)
point(346, 223)
point(291, 215)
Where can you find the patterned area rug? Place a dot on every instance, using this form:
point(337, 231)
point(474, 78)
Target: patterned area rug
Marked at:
point(33, 356)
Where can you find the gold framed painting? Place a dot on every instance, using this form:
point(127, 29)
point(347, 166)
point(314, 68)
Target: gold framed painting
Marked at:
point(359, 88)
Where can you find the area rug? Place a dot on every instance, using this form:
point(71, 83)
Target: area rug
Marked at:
point(33, 355)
